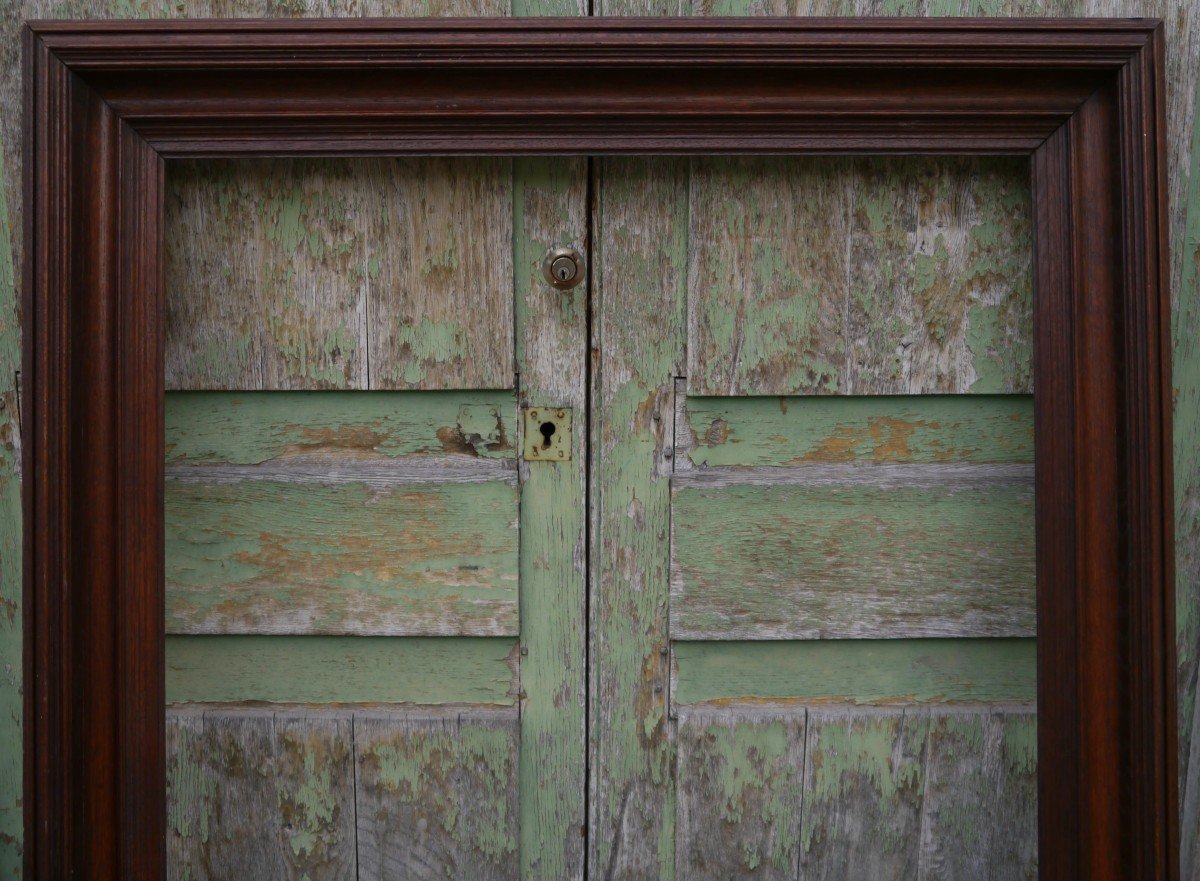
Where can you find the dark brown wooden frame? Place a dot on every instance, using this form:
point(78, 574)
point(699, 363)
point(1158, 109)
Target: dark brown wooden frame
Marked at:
point(107, 103)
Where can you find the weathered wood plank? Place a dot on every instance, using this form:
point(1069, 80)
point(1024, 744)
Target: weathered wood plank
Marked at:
point(640, 272)
point(437, 795)
point(979, 816)
point(267, 556)
point(256, 795)
point(442, 308)
point(246, 428)
point(550, 208)
point(307, 254)
point(863, 782)
point(739, 773)
point(345, 669)
point(855, 671)
point(859, 276)
point(838, 557)
point(746, 431)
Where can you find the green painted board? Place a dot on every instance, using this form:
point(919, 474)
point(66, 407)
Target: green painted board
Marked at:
point(265, 556)
point(856, 671)
point(242, 428)
point(346, 670)
point(838, 560)
point(746, 431)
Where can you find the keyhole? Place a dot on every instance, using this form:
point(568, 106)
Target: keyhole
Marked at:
point(547, 429)
point(563, 273)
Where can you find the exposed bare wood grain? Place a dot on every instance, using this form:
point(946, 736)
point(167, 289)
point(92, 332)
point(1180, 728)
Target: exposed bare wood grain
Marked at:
point(979, 817)
point(639, 307)
point(330, 273)
point(859, 276)
point(256, 794)
point(749, 431)
point(944, 794)
point(740, 774)
point(437, 795)
point(337, 471)
point(863, 783)
point(838, 551)
point(550, 207)
point(273, 556)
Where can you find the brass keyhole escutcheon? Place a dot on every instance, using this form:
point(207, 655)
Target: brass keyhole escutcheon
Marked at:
point(563, 267)
point(547, 434)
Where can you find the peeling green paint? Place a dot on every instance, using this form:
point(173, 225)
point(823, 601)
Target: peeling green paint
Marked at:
point(762, 562)
point(746, 431)
point(549, 208)
point(641, 251)
point(267, 556)
point(334, 669)
point(865, 671)
point(417, 769)
point(242, 428)
point(853, 275)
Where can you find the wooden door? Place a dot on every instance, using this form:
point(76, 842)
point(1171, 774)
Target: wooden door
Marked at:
point(774, 617)
point(812, 623)
point(375, 611)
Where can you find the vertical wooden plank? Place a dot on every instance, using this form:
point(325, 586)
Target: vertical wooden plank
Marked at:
point(639, 321)
point(436, 795)
point(979, 817)
point(253, 796)
point(863, 784)
point(859, 276)
point(11, 622)
point(550, 208)
point(314, 793)
point(436, 306)
point(740, 777)
point(1186, 378)
point(339, 273)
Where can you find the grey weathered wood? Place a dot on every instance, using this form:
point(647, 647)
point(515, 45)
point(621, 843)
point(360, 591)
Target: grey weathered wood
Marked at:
point(339, 273)
point(949, 476)
point(979, 818)
point(256, 794)
point(639, 268)
point(853, 552)
point(739, 773)
point(333, 470)
point(863, 785)
point(437, 795)
point(859, 276)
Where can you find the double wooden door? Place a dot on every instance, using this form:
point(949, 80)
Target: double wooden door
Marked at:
point(772, 617)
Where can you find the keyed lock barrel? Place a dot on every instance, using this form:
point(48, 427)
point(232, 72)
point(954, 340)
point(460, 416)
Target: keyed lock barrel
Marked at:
point(563, 267)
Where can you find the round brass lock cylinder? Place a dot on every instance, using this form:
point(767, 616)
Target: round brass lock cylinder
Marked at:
point(563, 267)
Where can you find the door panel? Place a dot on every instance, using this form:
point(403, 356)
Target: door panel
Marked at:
point(858, 536)
point(340, 273)
point(845, 594)
point(858, 276)
point(378, 513)
point(375, 613)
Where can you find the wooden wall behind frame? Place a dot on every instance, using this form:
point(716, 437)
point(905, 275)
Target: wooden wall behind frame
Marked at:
point(108, 102)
